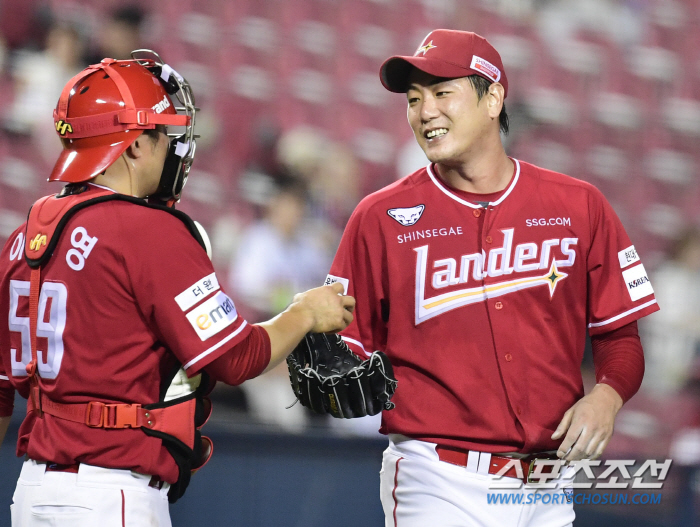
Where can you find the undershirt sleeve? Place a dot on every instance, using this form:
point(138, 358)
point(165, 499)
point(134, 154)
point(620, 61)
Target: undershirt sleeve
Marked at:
point(244, 361)
point(7, 393)
point(618, 359)
point(7, 399)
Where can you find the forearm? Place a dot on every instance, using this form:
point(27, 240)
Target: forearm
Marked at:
point(4, 423)
point(286, 331)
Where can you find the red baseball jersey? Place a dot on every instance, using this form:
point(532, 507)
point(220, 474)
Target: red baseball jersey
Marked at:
point(127, 294)
point(483, 310)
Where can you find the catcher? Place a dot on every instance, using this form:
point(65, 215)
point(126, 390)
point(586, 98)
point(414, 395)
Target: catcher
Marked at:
point(113, 323)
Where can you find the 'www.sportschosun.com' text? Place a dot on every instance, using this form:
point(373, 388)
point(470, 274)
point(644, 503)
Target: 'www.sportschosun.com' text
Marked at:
point(578, 498)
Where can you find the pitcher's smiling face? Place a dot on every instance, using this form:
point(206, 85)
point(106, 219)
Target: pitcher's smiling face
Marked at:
point(446, 116)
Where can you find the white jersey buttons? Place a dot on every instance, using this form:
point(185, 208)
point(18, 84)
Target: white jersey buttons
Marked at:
point(498, 305)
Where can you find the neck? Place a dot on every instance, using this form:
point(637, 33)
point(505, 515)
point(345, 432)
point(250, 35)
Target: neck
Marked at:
point(483, 174)
point(120, 178)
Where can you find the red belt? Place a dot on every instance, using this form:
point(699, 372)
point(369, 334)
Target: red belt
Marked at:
point(55, 467)
point(155, 481)
point(497, 463)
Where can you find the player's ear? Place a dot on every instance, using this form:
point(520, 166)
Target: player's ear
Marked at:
point(135, 149)
point(494, 99)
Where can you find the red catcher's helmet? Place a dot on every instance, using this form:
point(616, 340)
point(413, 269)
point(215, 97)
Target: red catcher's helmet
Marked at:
point(104, 108)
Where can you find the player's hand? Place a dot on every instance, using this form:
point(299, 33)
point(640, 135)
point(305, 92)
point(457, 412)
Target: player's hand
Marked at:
point(588, 424)
point(329, 310)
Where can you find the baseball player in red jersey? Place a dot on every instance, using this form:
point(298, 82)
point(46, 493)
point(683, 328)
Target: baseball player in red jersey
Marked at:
point(113, 322)
point(478, 276)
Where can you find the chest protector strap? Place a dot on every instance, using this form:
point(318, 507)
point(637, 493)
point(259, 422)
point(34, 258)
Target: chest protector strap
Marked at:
point(176, 421)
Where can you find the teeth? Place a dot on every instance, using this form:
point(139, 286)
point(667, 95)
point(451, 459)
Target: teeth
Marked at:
point(436, 133)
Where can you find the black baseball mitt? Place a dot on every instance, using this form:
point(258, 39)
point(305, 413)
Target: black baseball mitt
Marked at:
point(330, 379)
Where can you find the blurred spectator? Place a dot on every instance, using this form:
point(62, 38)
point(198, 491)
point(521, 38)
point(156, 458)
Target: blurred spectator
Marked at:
point(39, 78)
point(120, 35)
point(278, 256)
point(329, 169)
point(24, 24)
point(621, 22)
point(672, 335)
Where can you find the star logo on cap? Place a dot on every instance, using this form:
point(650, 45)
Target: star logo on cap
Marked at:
point(424, 49)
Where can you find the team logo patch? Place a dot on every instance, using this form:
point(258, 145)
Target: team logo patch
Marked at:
point(485, 67)
point(330, 280)
point(628, 256)
point(38, 241)
point(407, 216)
point(63, 128)
point(637, 282)
point(197, 292)
point(212, 316)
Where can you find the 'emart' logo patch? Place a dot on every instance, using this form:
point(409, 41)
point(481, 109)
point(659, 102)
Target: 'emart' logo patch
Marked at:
point(212, 316)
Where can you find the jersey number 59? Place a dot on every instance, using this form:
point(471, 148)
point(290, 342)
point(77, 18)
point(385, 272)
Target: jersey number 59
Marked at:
point(49, 359)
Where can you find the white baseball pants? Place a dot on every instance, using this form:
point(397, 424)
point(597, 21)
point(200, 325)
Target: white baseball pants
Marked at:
point(419, 490)
point(95, 496)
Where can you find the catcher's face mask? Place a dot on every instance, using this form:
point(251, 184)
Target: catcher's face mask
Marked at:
point(182, 144)
point(107, 106)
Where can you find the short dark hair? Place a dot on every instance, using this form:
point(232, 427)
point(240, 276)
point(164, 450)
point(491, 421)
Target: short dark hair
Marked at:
point(153, 133)
point(481, 87)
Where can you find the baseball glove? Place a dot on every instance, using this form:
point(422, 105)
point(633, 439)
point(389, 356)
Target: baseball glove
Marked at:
point(330, 379)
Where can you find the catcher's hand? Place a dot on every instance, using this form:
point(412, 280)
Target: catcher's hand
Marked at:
point(329, 378)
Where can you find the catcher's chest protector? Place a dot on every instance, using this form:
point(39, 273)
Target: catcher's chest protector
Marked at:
point(175, 420)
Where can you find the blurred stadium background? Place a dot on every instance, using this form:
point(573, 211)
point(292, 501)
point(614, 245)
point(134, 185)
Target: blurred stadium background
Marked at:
point(296, 128)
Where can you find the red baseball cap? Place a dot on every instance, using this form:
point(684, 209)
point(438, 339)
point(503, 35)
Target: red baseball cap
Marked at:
point(446, 53)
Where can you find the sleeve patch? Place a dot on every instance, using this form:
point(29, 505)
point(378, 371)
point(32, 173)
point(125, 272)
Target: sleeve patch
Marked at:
point(628, 256)
point(197, 292)
point(330, 280)
point(637, 282)
point(213, 316)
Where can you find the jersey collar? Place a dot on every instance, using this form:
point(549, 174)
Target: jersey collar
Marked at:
point(102, 187)
point(468, 203)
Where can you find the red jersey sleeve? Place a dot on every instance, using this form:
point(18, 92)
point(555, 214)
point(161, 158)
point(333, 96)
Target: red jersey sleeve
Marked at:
point(358, 265)
point(619, 290)
point(246, 360)
point(178, 291)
